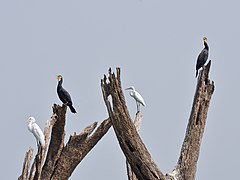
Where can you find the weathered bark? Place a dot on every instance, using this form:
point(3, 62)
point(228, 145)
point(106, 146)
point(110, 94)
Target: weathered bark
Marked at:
point(130, 142)
point(36, 166)
point(137, 124)
point(57, 141)
point(187, 163)
point(26, 165)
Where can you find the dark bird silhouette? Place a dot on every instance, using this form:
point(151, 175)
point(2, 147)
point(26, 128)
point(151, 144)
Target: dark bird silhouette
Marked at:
point(63, 95)
point(203, 56)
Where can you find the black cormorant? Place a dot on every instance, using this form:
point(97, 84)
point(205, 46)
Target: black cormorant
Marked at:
point(64, 95)
point(203, 56)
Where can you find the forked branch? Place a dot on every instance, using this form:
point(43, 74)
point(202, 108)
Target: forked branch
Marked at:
point(187, 163)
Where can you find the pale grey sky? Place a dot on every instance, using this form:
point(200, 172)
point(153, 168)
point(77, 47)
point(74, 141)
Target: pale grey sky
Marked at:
point(155, 43)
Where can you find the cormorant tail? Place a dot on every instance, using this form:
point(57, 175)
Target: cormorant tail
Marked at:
point(72, 109)
point(196, 73)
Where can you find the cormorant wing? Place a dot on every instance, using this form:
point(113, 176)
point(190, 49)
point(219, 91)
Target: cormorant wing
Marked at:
point(64, 96)
point(202, 58)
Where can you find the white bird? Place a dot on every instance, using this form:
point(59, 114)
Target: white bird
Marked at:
point(139, 99)
point(37, 132)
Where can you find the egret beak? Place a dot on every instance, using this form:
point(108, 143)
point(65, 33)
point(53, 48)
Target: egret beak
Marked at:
point(128, 88)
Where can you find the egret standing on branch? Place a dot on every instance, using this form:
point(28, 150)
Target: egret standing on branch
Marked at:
point(37, 132)
point(137, 97)
point(63, 95)
point(203, 56)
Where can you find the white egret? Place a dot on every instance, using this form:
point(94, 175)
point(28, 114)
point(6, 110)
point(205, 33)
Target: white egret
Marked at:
point(136, 96)
point(37, 132)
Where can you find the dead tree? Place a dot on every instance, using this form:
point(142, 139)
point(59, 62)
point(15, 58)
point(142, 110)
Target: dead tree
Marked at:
point(133, 147)
point(58, 160)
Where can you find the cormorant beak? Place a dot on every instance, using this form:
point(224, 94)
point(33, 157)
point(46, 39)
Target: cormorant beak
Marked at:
point(58, 77)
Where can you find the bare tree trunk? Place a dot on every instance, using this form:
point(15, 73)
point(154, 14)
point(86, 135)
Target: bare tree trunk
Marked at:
point(131, 144)
point(137, 123)
point(187, 163)
point(57, 141)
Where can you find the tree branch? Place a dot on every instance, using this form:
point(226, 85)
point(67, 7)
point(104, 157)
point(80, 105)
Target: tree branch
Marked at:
point(26, 165)
point(78, 147)
point(130, 142)
point(187, 162)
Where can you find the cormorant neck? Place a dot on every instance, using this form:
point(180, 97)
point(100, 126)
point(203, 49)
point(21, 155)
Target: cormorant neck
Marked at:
point(206, 45)
point(60, 83)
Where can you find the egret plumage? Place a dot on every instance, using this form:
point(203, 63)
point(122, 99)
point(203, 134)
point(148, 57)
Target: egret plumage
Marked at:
point(37, 132)
point(203, 56)
point(63, 95)
point(138, 98)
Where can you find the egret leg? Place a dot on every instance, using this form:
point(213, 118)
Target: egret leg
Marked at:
point(138, 107)
point(39, 146)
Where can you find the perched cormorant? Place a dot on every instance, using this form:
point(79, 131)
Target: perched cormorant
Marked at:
point(203, 56)
point(64, 95)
